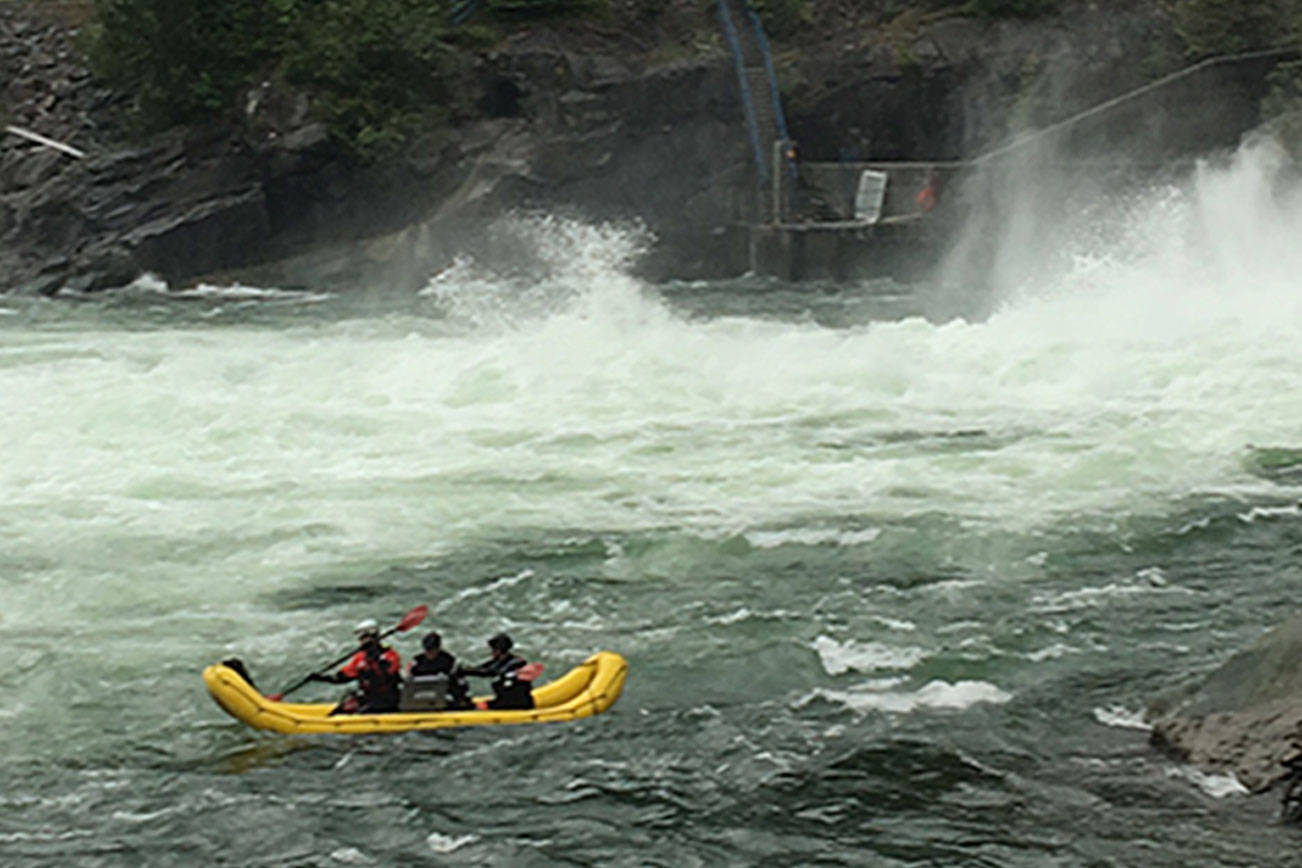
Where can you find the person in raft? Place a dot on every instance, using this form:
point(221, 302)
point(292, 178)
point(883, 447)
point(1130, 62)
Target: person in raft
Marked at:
point(376, 668)
point(433, 660)
point(510, 691)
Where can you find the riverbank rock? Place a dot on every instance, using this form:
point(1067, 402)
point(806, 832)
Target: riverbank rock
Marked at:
point(1245, 717)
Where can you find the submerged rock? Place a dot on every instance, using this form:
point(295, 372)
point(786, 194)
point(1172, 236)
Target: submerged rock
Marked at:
point(1245, 716)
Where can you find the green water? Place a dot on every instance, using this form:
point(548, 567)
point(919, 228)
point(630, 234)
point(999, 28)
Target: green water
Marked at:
point(893, 585)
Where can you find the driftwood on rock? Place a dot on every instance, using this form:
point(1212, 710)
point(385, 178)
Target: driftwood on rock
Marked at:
point(45, 140)
point(1245, 716)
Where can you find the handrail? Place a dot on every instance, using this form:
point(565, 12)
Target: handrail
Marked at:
point(1022, 141)
point(730, 32)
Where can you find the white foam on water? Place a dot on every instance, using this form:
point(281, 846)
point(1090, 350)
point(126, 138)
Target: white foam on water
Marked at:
point(951, 586)
point(44, 836)
point(149, 282)
point(240, 292)
point(208, 470)
point(1269, 513)
point(145, 817)
point(1121, 717)
point(443, 844)
point(939, 695)
point(351, 856)
point(1154, 576)
point(734, 617)
point(494, 587)
point(811, 537)
point(1218, 786)
point(562, 270)
point(1051, 652)
point(1099, 596)
point(1134, 379)
point(895, 624)
point(960, 627)
point(745, 613)
point(841, 657)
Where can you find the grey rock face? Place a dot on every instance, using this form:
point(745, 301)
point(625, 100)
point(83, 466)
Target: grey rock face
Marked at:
point(1245, 716)
point(537, 128)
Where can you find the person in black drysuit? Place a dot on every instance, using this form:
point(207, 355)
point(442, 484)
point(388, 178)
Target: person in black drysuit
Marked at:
point(509, 692)
point(435, 661)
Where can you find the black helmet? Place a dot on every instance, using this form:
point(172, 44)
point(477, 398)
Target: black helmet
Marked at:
point(432, 641)
point(500, 642)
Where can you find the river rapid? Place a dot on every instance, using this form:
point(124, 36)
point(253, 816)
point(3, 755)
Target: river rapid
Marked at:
point(894, 586)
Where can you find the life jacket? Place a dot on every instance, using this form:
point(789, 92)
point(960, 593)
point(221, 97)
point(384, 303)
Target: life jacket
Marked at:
point(509, 691)
point(443, 664)
point(377, 678)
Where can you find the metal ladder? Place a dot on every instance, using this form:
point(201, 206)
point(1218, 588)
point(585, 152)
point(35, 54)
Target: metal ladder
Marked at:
point(761, 101)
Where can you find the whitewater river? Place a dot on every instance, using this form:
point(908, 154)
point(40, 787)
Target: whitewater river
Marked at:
point(894, 589)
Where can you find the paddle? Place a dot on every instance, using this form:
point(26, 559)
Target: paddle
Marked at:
point(409, 620)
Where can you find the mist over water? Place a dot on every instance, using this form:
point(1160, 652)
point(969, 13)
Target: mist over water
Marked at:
point(893, 587)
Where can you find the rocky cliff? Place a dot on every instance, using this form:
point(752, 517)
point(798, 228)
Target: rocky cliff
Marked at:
point(624, 125)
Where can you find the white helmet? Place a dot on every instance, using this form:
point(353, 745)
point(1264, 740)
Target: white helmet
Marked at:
point(369, 627)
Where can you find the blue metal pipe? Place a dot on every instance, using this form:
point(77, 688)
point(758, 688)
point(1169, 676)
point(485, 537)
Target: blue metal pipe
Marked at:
point(730, 31)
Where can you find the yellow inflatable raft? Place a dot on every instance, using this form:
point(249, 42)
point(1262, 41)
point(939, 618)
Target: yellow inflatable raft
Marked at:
point(587, 689)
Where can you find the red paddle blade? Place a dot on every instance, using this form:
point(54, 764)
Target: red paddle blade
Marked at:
point(276, 697)
point(529, 671)
point(412, 618)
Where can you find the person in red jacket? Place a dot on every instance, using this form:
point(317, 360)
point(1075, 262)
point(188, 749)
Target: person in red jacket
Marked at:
point(376, 668)
point(930, 193)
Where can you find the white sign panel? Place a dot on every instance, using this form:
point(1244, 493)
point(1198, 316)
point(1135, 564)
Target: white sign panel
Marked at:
point(868, 200)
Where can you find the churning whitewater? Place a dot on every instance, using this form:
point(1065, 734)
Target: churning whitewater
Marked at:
point(892, 588)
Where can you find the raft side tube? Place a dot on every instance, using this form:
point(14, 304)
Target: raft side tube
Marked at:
point(589, 688)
